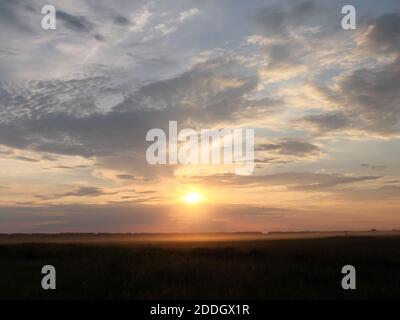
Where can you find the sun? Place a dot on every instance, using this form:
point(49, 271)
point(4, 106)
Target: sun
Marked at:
point(192, 198)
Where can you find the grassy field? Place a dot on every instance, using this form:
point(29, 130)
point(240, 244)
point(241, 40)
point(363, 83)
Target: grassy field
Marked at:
point(117, 268)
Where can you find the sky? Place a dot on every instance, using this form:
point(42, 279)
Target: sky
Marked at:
point(76, 104)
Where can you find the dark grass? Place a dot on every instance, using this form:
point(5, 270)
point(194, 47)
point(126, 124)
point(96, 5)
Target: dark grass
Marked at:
point(269, 269)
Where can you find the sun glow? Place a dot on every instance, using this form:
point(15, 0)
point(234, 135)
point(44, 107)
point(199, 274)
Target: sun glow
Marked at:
point(192, 198)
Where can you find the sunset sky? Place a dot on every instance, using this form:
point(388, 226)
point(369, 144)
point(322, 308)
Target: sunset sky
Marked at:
point(76, 104)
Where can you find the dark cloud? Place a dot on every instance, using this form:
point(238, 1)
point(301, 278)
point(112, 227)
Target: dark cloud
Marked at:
point(375, 95)
point(290, 147)
point(136, 200)
point(78, 24)
point(99, 37)
point(125, 177)
point(392, 181)
point(271, 19)
point(121, 20)
point(285, 55)
point(383, 33)
point(85, 192)
point(146, 191)
point(73, 167)
point(303, 9)
point(14, 155)
point(296, 32)
point(275, 20)
point(271, 160)
point(373, 167)
point(75, 23)
point(24, 158)
point(327, 122)
point(302, 181)
point(78, 192)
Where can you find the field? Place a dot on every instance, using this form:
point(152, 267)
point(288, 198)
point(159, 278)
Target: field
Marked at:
point(244, 266)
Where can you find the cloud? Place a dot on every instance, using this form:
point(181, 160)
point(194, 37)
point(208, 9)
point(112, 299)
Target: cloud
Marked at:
point(373, 167)
point(375, 94)
point(290, 147)
point(369, 97)
point(384, 193)
point(24, 158)
point(140, 19)
point(276, 20)
point(77, 23)
point(366, 99)
point(280, 56)
point(73, 167)
point(78, 192)
point(327, 122)
point(297, 181)
point(121, 20)
point(293, 36)
point(383, 33)
point(66, 118)
point(10, 14)
point(125, 176)
point(392, 181)
point(146, 191)
point(15, 154)
point(63, 117)
point(172, 25)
